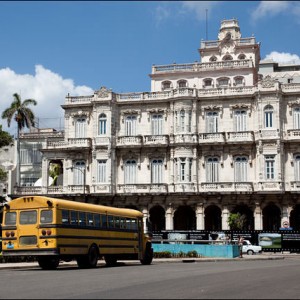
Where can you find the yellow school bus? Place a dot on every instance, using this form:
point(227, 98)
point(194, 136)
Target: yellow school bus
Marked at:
point(54, 230)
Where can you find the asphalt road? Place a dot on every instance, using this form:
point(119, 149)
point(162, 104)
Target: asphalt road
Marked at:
point(258, 279)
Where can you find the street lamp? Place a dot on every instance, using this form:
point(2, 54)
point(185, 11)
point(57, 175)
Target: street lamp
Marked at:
point(84, 178)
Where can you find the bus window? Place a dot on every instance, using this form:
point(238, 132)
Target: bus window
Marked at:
point(122, 223)
point(117, 222)
point(97, 220)
point(134, 224)
point(74, 217)
point(90, 219)
point(10, 218)
point(28, 217)
point(128, 224)
point(82, 219)
point(104, 221)
point(65, 217)
point(46, 216)
point(110, 220)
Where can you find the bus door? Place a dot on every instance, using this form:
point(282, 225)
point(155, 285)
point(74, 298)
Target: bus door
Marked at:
point(28, 229)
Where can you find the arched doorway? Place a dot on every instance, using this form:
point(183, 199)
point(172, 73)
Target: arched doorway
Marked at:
point(184, 218)
point(243, 209)
point(271, 217)
point(157, 218)
point(295, 217)
point(213, 219)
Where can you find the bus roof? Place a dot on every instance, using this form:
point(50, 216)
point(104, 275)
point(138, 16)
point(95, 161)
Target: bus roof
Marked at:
point(41, 201)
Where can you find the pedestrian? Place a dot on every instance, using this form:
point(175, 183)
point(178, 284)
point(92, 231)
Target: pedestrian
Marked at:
point(240, 244)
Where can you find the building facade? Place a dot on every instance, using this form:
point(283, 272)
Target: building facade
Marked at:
point(210, 138)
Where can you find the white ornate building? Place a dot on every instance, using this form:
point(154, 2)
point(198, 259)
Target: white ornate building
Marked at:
point(211, 137)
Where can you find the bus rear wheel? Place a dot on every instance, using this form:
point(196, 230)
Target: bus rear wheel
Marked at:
point(48, 263)
point(90, 260)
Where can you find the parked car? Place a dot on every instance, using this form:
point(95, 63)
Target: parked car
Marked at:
point(251, 249)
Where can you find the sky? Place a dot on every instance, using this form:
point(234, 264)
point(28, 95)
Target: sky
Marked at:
point(51, 48)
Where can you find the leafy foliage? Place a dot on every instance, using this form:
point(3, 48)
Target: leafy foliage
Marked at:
point(3, 175)
point(236, 221)
point(5, 138)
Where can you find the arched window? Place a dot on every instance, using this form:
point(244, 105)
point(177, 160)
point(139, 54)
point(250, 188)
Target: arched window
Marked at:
point(130, 125)
point(242, 56)
point(212, 169)
point(297, 167)
point(296, 117)
point(239, 81)
point(240, 168)
point(183, 169)
point(102, 124)
point(207, 83)
point(80, 128)
point(269, 167)
point(166, 85)
point(79, 172)
point(183, 120)
point(227, 57)
point(157, 124)
point(182, 84)
point(157, 171)
point(240, 120)
point(130, 171)
point(101, 170)
point(223, 82)
point(213, 58)
point(212, 121)
point(268, 111)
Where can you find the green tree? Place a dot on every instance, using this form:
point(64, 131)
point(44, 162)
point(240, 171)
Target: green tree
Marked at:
point(24, 116)
point(236, 221)
point(5, 138)
point(3, 175)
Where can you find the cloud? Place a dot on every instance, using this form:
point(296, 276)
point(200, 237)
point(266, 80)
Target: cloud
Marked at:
point(46, 87)
point(199, 8)
point(174, 9)
point(282, 57)
point(270, 9)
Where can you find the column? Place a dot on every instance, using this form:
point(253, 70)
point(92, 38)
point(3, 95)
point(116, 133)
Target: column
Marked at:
point(225, 215)
point(200, 217)
point(145, 219)
point(285, 220)
point(169, 218)
point(258, 224)
point(45, 175)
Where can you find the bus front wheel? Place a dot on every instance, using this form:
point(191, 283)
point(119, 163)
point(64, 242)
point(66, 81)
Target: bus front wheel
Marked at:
point(148, 256)
point(48, 263)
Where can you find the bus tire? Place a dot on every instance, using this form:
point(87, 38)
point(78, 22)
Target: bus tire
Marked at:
point(147, 259)
point(48, 263)
point(110, 260)
point(90, 260)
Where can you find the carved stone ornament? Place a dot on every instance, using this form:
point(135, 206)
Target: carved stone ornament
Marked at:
point(268, 82)
point(103, 92)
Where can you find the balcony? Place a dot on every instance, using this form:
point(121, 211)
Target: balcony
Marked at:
point(197, 67)
point(267, 134)
point(212, 138)
point(293, 135)
point(156, 140)
point(101, 141)
point(240, 137)
point(142, 188)
point(74, 143)
point(185, 138)
point(230, 187)
point(100, 188)
point(270, 186)
point(129, 141)
point(295, 186)
point(184, 187)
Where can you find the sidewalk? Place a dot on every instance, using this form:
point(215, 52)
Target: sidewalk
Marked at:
point(263, 256)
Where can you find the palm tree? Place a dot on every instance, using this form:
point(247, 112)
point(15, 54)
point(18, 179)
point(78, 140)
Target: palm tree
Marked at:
point(24, 118)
